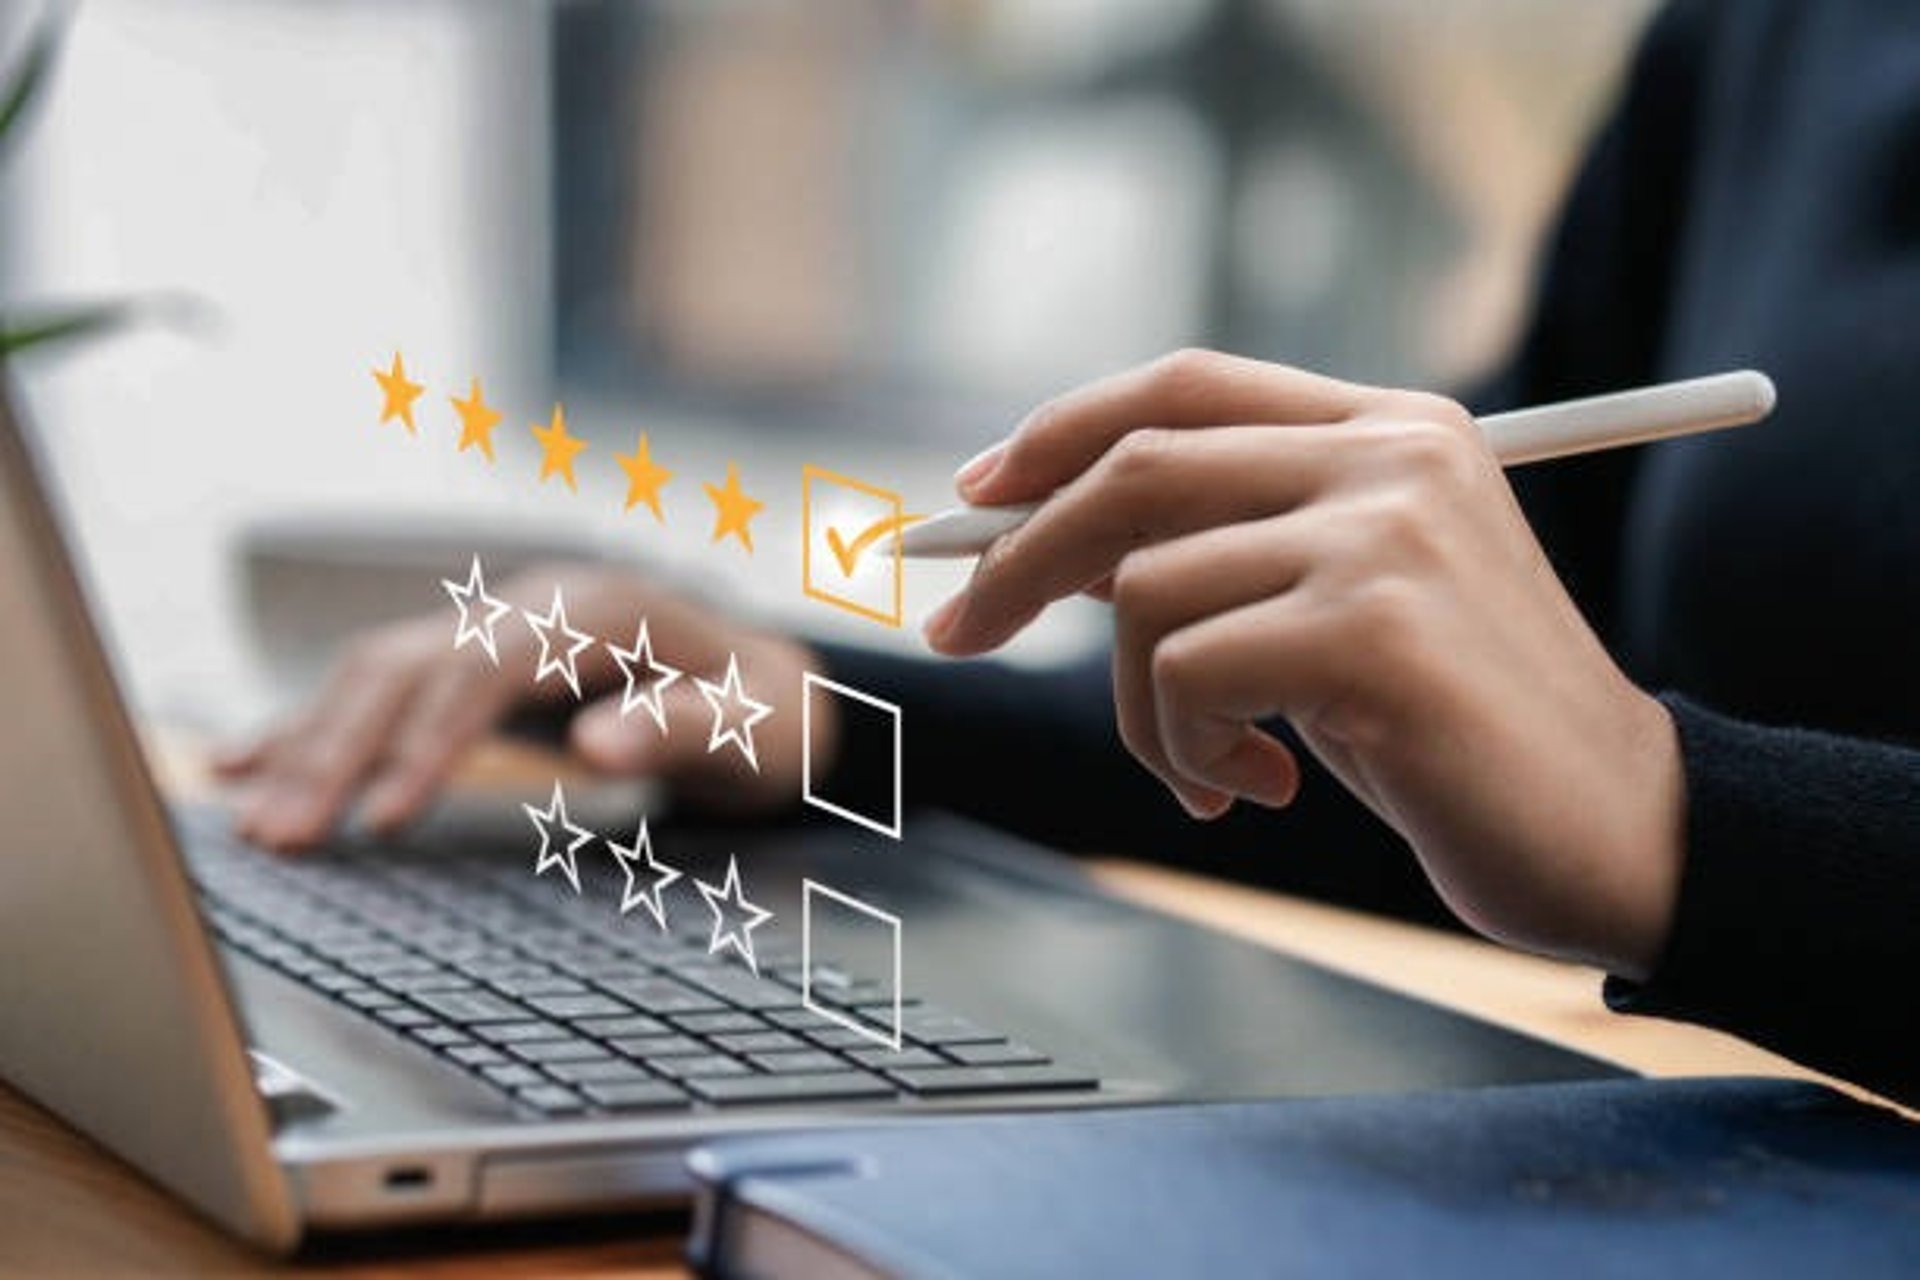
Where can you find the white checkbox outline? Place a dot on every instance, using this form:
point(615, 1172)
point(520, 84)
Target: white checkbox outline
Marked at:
point(809, 681)
point(808, 888)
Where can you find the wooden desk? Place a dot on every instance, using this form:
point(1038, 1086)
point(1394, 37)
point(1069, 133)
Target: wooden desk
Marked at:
point(66, 1208)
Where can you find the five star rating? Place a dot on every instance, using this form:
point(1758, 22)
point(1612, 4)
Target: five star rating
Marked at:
point(856, 525)
point(734, 509)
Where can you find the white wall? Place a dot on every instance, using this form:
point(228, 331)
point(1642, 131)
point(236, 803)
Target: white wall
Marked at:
point(335, 180)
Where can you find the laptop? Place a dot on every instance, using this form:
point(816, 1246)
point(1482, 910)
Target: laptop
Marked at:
point(425, 1031)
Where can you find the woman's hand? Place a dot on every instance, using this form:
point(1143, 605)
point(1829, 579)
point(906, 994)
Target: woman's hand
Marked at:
point(402, 705)
point(1352, 559)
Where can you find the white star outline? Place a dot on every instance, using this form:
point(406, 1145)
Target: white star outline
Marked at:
point(738, 937)
point(730, 689)
point(640, 853)
point(568, 666)
point(568, 859)
point(463, 597)
point(644, 692)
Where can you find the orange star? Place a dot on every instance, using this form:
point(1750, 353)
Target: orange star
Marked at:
point(733, 509)
point(558, 449)
point(477, 420)
point(400, 393)
point(645, 477)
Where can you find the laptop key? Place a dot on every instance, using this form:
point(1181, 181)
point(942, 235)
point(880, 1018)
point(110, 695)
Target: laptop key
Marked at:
point(331, 980)
point(606, 1071)
point(514, 970)
point(551, 1099)
point(738, 987)
point(657, 1046)
point(663, 995)
point(511, 1032)
point(892, 1060)
point(368, 998)
point(477, 1055)
point(577, 1006)
point(635, 1024)
point(470, 1006)
point(848, 1038)
point(557, 1051)
point(416, 983)
point(381, 960)
point(938, 1081)
point(552, 985)
point(1005, 1054)
point(513, 1075)
point(615, 971)
point(637, 1095)
point(760, 1042)
point(377, 960)
point(773, 1090)
point(933, 1026)
point(802, 1062)
point(702, 1067)
point(714, 1023)
point(440, 1035)
point(402, 1016)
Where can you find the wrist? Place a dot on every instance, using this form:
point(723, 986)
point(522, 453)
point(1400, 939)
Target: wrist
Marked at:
point(1653, 849)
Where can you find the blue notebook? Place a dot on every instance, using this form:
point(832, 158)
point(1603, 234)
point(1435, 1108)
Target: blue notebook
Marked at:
point(1618, 1178)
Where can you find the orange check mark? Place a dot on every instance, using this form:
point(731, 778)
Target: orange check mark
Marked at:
point(848, 553)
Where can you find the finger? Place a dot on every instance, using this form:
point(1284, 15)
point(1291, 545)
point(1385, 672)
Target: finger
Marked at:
point(1166, 589)
point(439, 724)
point(1153, 486)
point(1063, 437)
point(1215, 679)
point(308, 781)
point(238, 759)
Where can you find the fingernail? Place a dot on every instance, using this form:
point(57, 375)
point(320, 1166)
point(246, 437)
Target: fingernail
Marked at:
point(940, 622)
point(1202, 804)
point(969, 479)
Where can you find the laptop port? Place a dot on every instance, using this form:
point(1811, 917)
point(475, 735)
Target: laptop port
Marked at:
point(409, 1177)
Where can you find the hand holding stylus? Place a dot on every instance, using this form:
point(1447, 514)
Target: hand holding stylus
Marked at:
point(1560, 430)
point(1351, 559)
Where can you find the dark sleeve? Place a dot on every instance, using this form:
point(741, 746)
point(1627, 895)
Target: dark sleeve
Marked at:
point(1037, 753)
point(1597, 321)
point(1798, 921)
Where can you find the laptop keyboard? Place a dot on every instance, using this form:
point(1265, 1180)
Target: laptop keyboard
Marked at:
point(571, 1017)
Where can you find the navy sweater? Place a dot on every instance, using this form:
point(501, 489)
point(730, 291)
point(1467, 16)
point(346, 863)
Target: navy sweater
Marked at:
point(1754, 200)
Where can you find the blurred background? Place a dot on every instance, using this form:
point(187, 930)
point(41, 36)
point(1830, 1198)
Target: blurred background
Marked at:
point(866, 234)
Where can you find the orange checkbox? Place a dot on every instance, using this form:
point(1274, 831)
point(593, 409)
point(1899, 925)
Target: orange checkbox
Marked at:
point(848, 529)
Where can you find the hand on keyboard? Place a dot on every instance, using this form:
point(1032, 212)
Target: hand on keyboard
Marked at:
point(402, 704)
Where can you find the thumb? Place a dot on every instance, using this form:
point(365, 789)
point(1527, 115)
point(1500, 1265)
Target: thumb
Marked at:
point(621, 742)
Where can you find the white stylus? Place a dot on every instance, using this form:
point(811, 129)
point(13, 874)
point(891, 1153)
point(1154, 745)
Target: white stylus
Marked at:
point(1525, 435)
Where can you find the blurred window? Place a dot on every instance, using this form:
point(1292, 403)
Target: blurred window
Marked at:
point(853, 205)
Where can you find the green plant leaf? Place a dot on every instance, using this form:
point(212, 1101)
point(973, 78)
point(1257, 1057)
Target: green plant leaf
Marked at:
point(27, 77)
point(17, 333)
